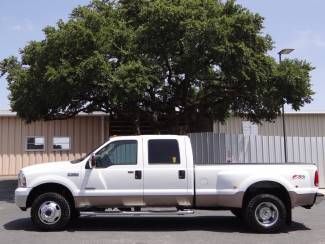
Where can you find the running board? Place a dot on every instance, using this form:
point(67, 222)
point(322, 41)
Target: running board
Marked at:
point(134, 213)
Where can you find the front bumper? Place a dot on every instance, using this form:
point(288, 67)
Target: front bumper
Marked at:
point(21, 195)
point(319, 197)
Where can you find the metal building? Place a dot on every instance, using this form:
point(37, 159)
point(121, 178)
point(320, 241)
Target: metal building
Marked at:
point(24, 144)
point(302, 124)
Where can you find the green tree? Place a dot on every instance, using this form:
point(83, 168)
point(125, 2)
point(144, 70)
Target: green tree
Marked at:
point(174, 63)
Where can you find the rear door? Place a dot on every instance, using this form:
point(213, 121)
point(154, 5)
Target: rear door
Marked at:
point(165, 172)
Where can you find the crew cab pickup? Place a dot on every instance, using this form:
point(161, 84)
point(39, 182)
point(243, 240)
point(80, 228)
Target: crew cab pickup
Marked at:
point(150, 174)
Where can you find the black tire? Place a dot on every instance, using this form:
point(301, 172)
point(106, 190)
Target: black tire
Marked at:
point(60, 205)
point(269, 205)
point(75, 214)
point(238, 212)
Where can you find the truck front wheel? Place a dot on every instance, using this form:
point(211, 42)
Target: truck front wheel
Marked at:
point(50, 211)
point(265, 213)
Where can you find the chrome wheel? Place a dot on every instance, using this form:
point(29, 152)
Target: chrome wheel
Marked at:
point(49, 212)
point(266, 214)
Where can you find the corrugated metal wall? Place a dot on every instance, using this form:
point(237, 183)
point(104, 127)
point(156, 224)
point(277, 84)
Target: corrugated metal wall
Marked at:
point(213, 148)
point(297, 124)
point(85, 134)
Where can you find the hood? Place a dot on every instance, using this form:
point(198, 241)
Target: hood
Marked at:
point(47, 167)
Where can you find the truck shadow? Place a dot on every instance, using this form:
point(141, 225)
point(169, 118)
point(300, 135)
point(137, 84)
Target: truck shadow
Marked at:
point(153, 224)
point(7, 190)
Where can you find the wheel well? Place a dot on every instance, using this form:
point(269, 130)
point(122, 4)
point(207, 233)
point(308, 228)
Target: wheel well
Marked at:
point(50, 187)
point(268, 187)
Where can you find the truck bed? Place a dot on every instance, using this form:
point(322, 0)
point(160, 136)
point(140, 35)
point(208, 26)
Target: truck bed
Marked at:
point(225, 184)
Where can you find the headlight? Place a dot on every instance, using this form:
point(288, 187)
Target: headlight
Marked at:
point(21, 179)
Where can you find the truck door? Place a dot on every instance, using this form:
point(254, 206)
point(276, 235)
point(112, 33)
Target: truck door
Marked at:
point(117, 179)
point(165, 172)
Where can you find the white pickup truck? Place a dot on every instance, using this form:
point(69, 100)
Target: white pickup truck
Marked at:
point(129, 174)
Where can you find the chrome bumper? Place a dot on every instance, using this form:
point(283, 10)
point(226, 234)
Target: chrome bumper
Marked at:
point(21, 195)
point(319, 197)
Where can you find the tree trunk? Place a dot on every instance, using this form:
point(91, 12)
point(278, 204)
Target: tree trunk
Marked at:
point(137, 124)
point(155, 123)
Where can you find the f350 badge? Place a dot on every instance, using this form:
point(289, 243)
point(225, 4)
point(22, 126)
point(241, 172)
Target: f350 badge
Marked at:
point(298, 177)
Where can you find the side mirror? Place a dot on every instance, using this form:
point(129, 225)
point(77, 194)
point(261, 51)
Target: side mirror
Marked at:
point(92, 161)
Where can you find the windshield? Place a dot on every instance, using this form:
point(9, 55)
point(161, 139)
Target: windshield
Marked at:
point(80, 159)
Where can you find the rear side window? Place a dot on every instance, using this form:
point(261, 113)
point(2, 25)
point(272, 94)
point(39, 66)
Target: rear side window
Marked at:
point(163, 151)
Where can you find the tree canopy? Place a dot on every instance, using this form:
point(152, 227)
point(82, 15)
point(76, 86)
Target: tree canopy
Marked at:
point(178, 61)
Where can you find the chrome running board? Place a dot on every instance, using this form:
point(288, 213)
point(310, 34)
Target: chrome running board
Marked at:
point(135, 213)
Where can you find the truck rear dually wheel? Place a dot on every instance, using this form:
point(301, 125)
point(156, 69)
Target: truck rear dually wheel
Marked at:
point(51, 211)
point(265, 213)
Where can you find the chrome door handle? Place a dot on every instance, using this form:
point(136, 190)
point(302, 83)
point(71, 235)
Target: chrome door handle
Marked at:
point(138, 175)
point(181, 174)
point(130, 172)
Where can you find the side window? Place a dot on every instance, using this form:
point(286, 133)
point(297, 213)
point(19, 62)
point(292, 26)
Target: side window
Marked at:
point(163, 151)
point(118, 153)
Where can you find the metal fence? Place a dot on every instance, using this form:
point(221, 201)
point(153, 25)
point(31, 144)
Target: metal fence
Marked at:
point(213, 148)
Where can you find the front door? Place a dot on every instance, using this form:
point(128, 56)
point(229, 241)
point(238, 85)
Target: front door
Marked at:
point(165, 172)
point(117, 179)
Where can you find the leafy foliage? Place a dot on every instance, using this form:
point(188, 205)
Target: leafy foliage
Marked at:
point(176, 61)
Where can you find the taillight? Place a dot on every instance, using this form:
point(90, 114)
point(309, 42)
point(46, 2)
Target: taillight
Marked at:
point(316, 179)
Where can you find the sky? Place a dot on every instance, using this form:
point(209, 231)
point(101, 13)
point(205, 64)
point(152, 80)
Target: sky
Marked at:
point(291, 23)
